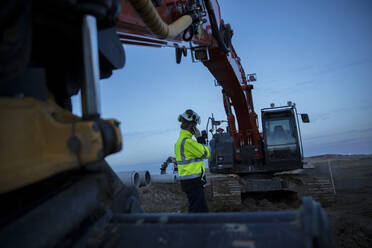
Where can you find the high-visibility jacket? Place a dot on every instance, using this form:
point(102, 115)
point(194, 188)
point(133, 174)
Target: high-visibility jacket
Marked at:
point(189, 156)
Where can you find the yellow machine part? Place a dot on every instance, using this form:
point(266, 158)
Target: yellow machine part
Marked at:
point(39, 139)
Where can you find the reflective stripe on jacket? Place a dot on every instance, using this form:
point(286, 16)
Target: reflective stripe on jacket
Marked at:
point(189, 156)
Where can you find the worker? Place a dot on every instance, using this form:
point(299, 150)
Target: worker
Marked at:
point(190, 155)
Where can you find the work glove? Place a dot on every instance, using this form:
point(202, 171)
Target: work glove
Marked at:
point(203, 138)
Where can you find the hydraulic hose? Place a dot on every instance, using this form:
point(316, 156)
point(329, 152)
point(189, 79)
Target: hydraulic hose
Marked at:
point(157, 26)
point(215, 30)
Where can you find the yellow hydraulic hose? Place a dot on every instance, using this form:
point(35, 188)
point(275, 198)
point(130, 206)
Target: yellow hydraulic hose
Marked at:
point(157, 26)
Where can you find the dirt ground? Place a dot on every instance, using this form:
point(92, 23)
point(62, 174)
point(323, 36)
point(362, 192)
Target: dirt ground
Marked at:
point(350, 211)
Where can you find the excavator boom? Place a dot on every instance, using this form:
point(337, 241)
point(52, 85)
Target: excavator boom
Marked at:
point(209, 40)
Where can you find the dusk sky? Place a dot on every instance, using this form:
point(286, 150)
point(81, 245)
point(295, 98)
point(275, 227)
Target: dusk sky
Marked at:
point(315, 53)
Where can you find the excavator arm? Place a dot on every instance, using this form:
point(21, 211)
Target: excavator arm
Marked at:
point(147, 23)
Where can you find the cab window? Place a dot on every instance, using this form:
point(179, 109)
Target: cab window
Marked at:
point(279, 132)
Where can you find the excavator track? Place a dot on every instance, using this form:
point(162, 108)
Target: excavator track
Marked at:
point(225, 191)
point(320, 188)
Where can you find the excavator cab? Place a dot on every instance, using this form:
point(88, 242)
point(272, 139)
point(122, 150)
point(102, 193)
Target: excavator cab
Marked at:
point(282, 138)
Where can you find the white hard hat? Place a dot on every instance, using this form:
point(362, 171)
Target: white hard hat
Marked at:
point(189, 115)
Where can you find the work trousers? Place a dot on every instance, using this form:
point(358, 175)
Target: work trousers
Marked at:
point(195, 194)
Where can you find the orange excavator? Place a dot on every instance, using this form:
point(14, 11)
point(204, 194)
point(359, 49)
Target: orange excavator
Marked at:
point(56, 189)
point(197, 26)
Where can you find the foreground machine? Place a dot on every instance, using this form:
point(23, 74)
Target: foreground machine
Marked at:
point(56, 188)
